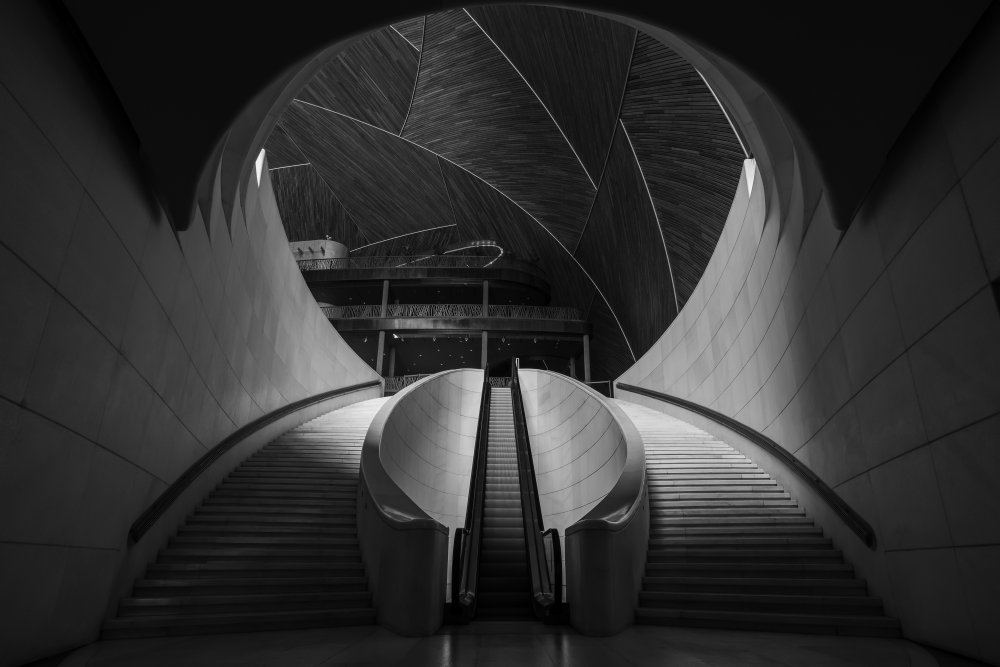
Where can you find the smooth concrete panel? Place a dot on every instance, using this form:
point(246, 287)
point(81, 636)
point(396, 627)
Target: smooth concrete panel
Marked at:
point(910, 506)
point(967, 463)
point(929, 579)
point(889, 415)
point(22, 334)
point(976, 569)
point(578, 449)
point(983, 199)
point(98, 275)
point(954, 366)
point(938, 269)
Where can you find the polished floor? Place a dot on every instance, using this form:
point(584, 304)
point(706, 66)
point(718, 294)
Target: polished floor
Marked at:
point(516, 644)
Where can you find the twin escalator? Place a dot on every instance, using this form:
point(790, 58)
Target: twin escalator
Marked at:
point(501, 569)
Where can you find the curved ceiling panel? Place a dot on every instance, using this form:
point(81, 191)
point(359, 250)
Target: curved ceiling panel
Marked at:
point(690, 158)
point(471, 106)
point(388, 185)
point(623, 250)
point(371, 81)
point(309, 209)
point(576, 63)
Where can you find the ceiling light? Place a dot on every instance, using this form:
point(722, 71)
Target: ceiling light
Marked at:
point(395, 336)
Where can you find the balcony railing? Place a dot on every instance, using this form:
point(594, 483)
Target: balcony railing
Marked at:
point(451, 310)
point(413, 261)
point(394, 383)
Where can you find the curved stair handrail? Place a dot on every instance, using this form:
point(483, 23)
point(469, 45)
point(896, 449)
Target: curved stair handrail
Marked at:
point(848, 514)
point(164, 501)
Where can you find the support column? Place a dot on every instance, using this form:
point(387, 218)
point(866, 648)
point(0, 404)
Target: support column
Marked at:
point(385, 298)
point(381, 350)
point(586, 357)
point(572, 367)
point(482, 357)
point(392, 360)
point(486, 298)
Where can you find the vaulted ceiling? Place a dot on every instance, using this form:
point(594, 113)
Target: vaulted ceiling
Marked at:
point(569, 139)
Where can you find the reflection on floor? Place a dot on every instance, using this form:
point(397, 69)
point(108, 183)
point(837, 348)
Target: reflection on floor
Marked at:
point(503, 643)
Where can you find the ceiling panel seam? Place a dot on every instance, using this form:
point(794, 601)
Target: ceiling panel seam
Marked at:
point(404, 38)
point(289, 166)
point(607, 156)
point(447, 191)
point(416, 77)
point(725, 113)
point(505, 196)
point(399, 236)
point(531, 88)
point(656, 216)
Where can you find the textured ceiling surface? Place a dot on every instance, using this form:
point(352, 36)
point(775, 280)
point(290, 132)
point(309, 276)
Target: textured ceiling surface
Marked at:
point(569, 139)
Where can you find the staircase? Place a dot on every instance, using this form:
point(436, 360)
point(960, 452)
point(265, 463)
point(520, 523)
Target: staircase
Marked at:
point(504, 589)
point(273, 547)
point(728, 547)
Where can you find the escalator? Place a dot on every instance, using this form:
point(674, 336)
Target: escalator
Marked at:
point(505, 566)
point(504, 579)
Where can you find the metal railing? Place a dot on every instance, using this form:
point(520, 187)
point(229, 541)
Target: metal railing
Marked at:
point(451, 310)
point(412, 262)
point(394, 383)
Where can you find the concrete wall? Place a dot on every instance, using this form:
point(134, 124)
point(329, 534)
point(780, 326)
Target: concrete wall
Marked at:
point(125, 350)
point(579, 450)
point(429, 441)
point(874, 355)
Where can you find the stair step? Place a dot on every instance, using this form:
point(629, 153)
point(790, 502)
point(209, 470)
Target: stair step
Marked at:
point(874, 626)
point(776, 585)
point(765, 602)
point(263, 541)
point(236, 585)
point(163, 626)
point(730, 541)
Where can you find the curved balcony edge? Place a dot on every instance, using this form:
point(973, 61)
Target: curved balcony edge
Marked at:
point(534, 280)
point(606, 549)
point(400, 543)
point(463, 324)
point(780, 463)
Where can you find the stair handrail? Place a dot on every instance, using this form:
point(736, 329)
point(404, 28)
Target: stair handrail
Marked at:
point(546, 586)
point(170, 495)
point(465, 551)
point(847, 514)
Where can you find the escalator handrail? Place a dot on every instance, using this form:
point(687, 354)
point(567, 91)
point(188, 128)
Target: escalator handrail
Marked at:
point(465, 558)
point(543, 589)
